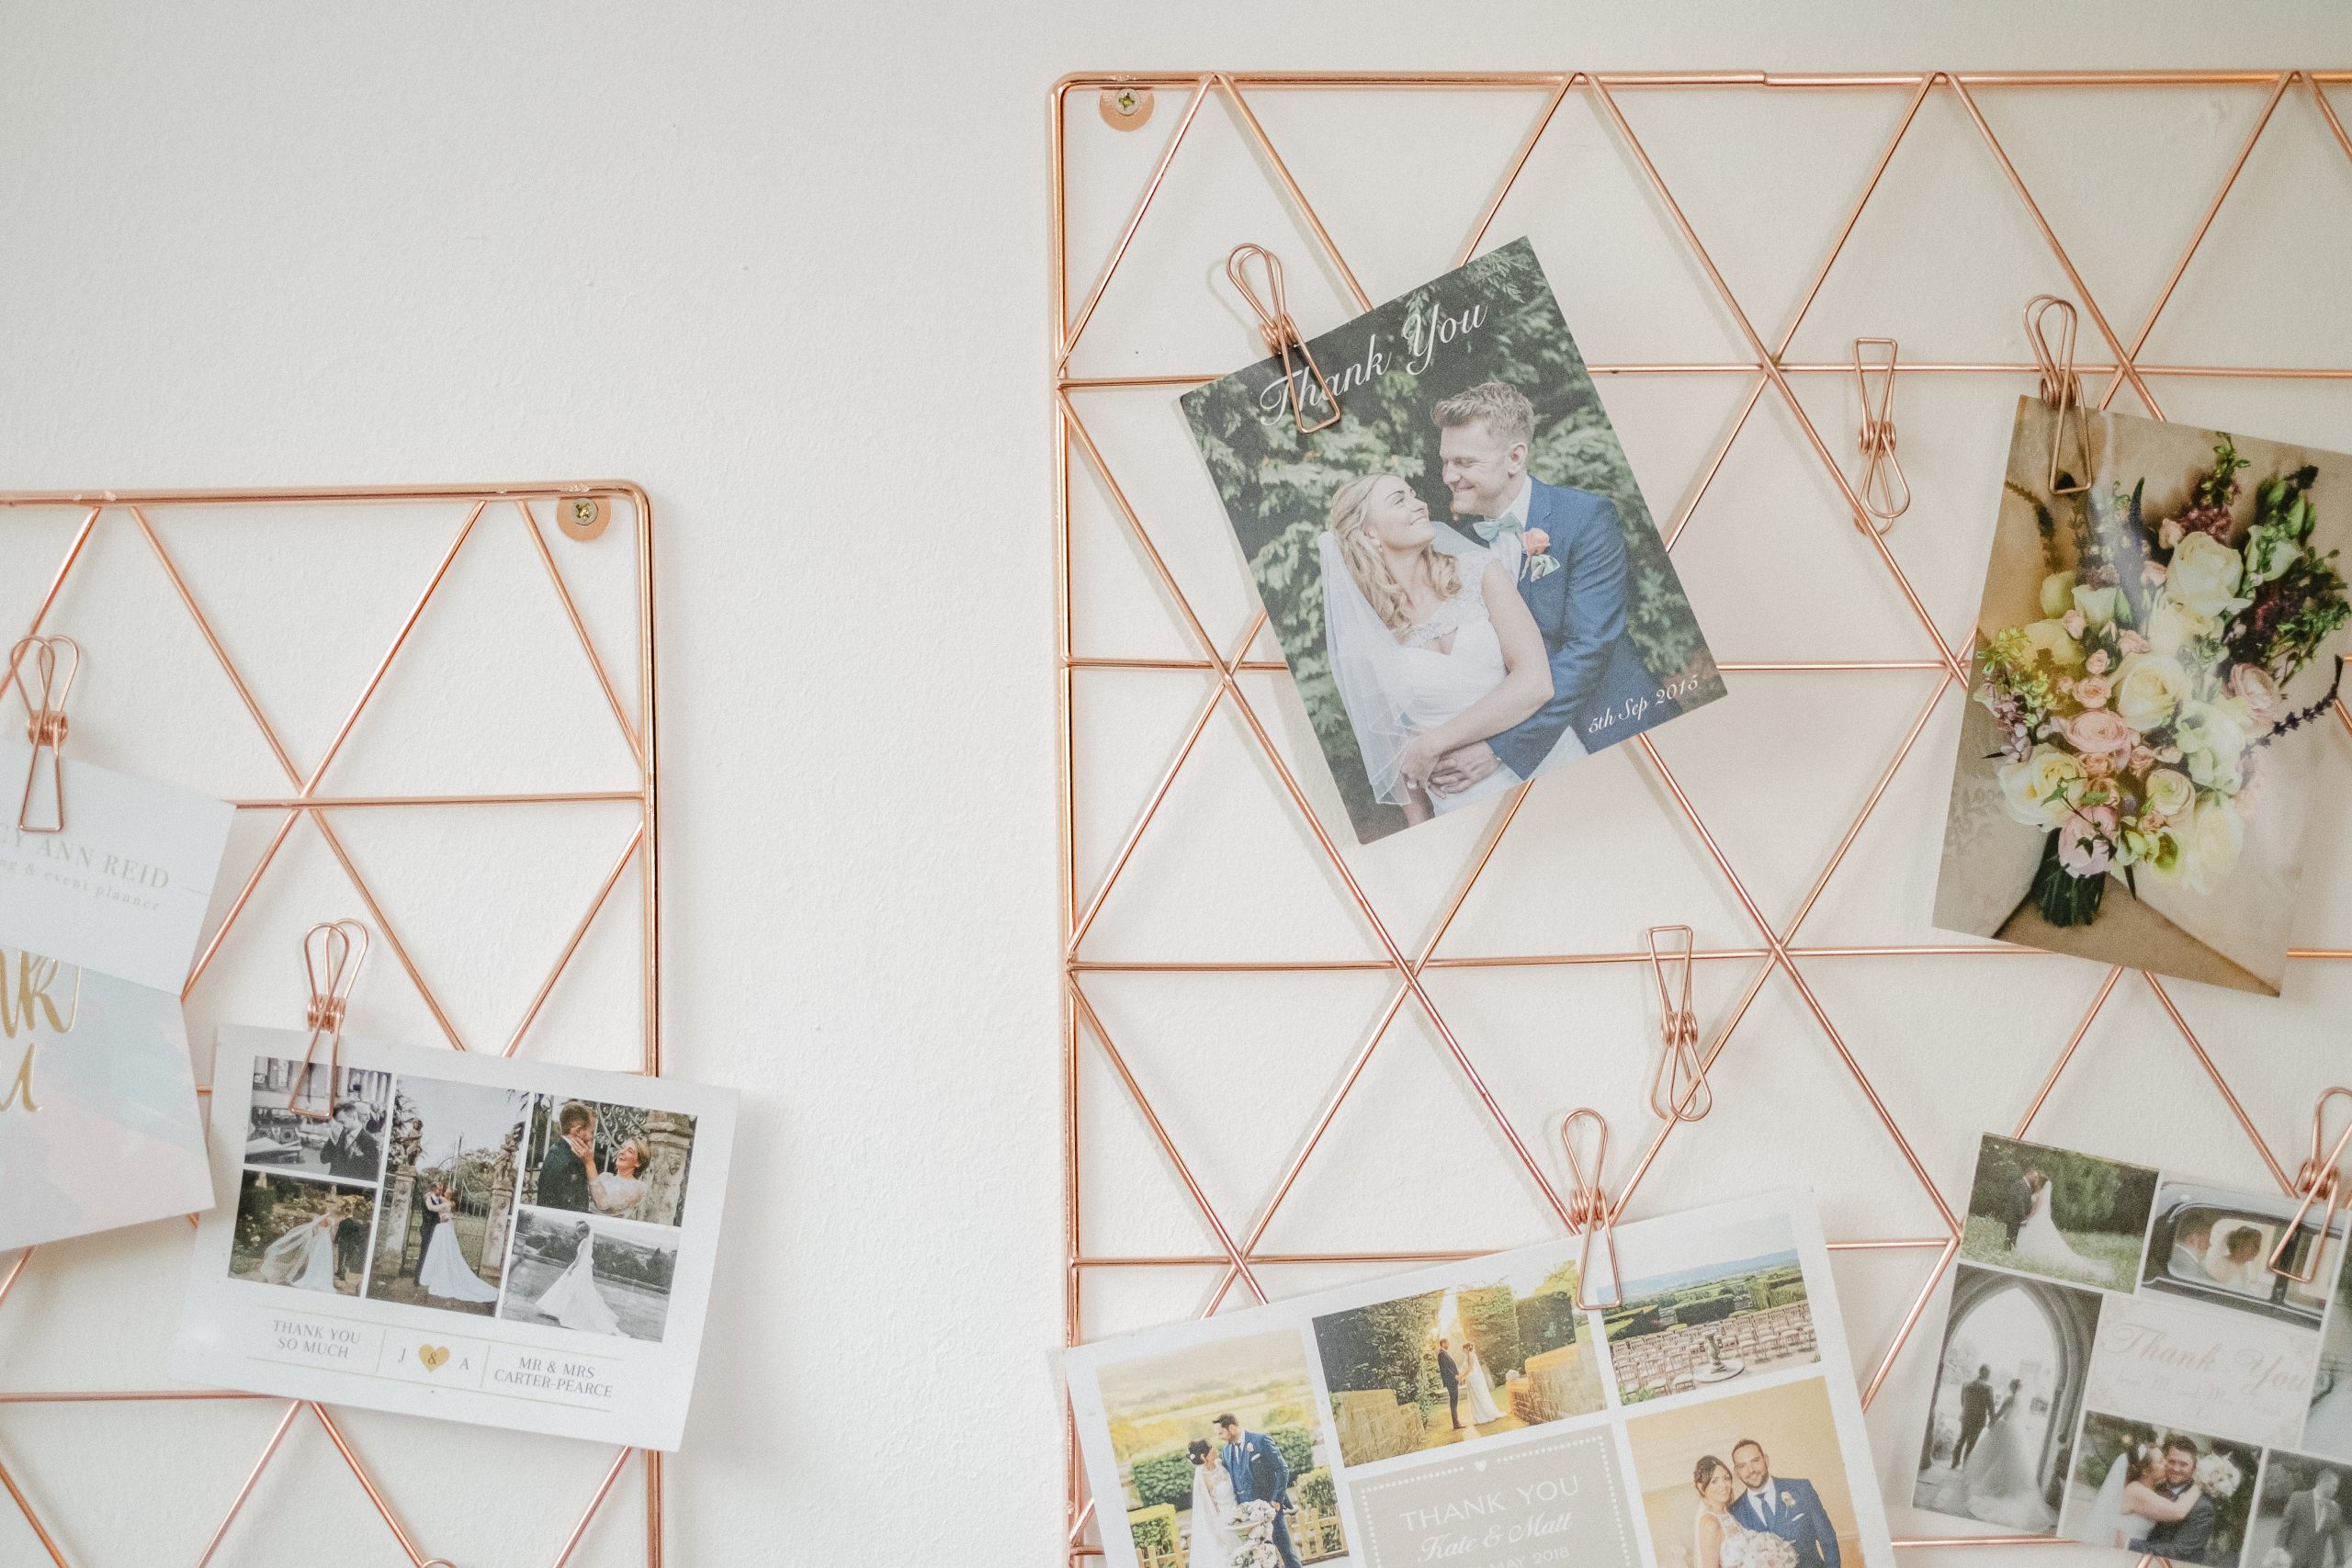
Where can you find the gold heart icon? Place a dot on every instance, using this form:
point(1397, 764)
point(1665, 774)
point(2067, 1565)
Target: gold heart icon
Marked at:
point(434, 1356)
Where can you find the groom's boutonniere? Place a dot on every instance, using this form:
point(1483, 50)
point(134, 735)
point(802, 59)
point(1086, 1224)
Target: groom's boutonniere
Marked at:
point(1788, 1499)
point(1535, 562)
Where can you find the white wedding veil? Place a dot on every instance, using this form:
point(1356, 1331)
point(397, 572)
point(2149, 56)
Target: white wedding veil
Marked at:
point(1365, 659)
point(2106, 1511)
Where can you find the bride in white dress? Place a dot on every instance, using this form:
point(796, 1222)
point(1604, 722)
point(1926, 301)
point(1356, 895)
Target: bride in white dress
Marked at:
point(1215, 1517)
point(304, 1257)
point(2000, 1479)
point(573, 1300)
point(2128, 1505)
point(1432, 647)
point(2040, 1243)
point(619, 1190)
point(444, 1272)
point(1712, 1528)
point(1475, 1384)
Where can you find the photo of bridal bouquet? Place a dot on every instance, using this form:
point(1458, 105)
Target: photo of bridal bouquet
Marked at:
point(2129, 785)
point(2135, 713)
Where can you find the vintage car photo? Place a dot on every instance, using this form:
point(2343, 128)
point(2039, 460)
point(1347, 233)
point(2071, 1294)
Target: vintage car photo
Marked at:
point(2212, 1245)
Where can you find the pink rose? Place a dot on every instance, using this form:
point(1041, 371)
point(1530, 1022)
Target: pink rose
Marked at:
point(1535, 541)
point(2142, 758)
point(2092, 691)
point(2073, 623)
point(2085, 843)
point(2100, 764)
point(2097, 662)
point(2170, 533)
point(2097, 732)
point(2253, 685)
point(2131, 642)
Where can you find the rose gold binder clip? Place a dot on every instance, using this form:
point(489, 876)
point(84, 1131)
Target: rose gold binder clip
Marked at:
point(333, 954)
point(2061, 388)
point(1588, 1208)
point(2319, 1182)
point(1885, 493)
point(1679, 1091)
point(1281, 332)
point(55, 660)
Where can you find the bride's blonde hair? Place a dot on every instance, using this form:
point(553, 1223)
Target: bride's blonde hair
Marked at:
point(1368, 564)
point(636, 1146)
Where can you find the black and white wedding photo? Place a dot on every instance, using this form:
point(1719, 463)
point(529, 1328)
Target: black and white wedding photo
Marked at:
point(2009, 1382)
point(2327, 1427)
point(324, 1121)
point(301, 1232)
point(623, 1162)
point(590, 1273)
point(2303, 1518)
point(449, 1189)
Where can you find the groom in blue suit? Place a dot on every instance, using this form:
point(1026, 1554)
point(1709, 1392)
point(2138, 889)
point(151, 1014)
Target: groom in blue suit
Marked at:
point(1259, 1474)
point(1575, 584)
point(1790, 1510)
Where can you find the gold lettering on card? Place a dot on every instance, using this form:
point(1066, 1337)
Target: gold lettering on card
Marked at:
point(28, 1006)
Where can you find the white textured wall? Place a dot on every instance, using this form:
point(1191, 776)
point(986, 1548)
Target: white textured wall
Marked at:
point(786, 266)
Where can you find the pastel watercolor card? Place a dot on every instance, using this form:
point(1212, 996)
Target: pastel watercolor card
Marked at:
point(123, 889)
point(1464, 577)
point(505, 1243)
point(1484, 1414)
point(99, 1126)
point(2141, 1359)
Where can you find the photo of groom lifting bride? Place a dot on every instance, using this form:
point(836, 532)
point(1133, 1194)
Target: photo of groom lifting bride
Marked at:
point(1464, 576)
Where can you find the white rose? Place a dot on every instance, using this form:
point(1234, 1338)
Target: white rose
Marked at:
point(2171, 625)
point(2214, 736)
point(2097, 605)
point(2205, 576)
point(2057, 593)
point(2041, 792)
point(2149, 687)
point(2210, 852)
point(2169, 792)
point(2049, 639)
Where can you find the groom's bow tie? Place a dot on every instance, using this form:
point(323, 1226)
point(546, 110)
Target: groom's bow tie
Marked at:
point(1489, 528)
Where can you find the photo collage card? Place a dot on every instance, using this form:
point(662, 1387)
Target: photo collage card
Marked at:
point(1477, 1414)
point(1462, 572)
point(472, 1237)
point(2145, 1360)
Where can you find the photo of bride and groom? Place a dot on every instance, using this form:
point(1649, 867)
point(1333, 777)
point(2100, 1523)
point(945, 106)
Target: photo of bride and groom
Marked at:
point(1768, 1479)
point(449, 1194)
point(621, 1162)
point(1221, 1459)
point(305, 1234)
point(590, 1274)
point(1463, 574)
point(2015, 1359)
point(2173, 1495)
point(2058, 1213)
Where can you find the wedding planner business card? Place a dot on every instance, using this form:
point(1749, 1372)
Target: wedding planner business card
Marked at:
point(2124, 1363)
point(124, 889)
point(1475, 1416)
point(98, 1120)
point(1463, 574)
point(501, 1242)
point(2128, 784)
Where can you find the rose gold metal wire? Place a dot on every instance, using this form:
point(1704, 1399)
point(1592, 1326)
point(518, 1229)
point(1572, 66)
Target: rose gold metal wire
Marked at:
point(1770, 370)
point(308, 802)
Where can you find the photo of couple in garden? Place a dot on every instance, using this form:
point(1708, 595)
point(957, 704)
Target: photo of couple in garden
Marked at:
point(2175, 1495)
point(1219, 1451)
point(1453, 1365)
point(2058, 1213)
point(449, 1194)
point(1465, 581)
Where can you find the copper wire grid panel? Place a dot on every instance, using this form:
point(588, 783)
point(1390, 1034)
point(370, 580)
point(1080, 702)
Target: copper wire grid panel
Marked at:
point(1118, 1105)
point(452, 529)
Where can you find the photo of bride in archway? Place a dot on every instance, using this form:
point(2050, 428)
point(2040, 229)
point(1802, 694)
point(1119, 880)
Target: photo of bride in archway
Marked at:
point(2009, 1390)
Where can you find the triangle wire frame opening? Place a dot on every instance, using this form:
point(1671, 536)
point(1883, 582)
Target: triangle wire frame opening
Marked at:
point(306, 800)
point(1778, 950)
